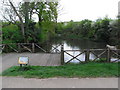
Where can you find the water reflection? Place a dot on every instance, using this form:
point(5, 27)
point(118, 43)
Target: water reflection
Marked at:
point(79, 45)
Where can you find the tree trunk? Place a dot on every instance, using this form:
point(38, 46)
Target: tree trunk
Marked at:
point(20, 18)
point(26, 16)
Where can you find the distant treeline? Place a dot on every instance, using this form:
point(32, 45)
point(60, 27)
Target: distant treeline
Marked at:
point(103, 30)
point(19, 25)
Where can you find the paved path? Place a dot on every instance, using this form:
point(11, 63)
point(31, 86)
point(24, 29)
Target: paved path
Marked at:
point(42, 59)
point(18, 82)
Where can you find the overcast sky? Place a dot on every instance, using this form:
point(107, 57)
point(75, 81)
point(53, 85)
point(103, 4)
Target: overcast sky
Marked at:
point(88, 9)
point(77, 10)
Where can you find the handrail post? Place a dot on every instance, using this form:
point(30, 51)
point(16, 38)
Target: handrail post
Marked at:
point(33, 47)
point(87, 54)
point(108, 55)
point(19, 48)
point(62, 54)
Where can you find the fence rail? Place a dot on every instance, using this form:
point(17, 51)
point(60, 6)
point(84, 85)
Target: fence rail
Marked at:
point(59, 48)
point(107, 52)
point(28, 47)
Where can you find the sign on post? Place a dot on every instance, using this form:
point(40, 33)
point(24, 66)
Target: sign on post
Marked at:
point(23, 60)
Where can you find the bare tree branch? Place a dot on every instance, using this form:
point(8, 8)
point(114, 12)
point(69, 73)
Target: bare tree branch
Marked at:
point(20, 18)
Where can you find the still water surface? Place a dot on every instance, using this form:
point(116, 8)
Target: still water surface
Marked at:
point(79, 45)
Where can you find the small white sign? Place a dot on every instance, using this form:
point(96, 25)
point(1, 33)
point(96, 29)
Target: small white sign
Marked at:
point(23, 60)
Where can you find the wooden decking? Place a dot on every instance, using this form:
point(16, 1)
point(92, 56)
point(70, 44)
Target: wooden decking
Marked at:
point(44, 59)
point(37, 59)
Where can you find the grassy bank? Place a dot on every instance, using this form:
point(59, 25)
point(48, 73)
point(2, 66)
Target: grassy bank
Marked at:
point(70, 70)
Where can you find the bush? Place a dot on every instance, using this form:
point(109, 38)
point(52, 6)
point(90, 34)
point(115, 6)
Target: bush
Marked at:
point(11, 34)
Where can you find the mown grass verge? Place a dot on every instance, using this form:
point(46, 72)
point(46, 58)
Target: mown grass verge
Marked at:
point(69, 70)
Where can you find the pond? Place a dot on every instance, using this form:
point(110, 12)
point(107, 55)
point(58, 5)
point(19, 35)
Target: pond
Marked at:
point(80, 44)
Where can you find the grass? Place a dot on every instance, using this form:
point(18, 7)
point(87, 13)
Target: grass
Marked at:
point(68, 70)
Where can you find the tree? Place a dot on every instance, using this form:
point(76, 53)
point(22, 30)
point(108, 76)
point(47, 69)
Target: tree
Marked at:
point(101, 28)
point(115, 31)
point(12, 14)
point(85, 27)
point(47, 17)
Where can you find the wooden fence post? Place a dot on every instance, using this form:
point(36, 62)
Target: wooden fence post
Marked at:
point(87, 54)
point(33, 47)
point(62, 54)
point(19, 48)
point(108, 55)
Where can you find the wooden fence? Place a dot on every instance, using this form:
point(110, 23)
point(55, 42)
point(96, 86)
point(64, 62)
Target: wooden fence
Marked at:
point(29, 47)
point(106, 52)
point(33, 47)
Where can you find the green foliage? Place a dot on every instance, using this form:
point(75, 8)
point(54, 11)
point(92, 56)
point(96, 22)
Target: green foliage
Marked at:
point(11, 34)
point(115, 32)
point(40, 31)
point(77, 29)
point(106, 30)
point(101, 27)
point(33, 32)
point(60, 27)
point(69, 70)
point(48, 31)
